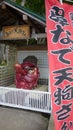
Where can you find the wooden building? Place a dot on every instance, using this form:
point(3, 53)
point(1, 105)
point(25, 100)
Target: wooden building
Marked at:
point(22, 34)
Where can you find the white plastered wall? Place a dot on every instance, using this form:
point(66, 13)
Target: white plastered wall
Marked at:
point(42, 57)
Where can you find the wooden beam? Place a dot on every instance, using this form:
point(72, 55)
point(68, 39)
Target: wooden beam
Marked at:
point(32, 47)
point(39, 35)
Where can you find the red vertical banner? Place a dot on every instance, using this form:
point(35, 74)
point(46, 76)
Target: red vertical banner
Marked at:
point(59, 22)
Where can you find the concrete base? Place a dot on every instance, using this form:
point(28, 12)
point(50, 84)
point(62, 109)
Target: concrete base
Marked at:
point(16, 119)
point(51, 123)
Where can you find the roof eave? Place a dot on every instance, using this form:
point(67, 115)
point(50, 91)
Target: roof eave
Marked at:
point(24, 12)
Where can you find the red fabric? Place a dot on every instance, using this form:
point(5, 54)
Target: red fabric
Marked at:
point(27, 75)
point(59, 21)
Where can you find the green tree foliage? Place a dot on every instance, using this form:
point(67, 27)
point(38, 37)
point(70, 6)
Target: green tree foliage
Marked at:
point(68, 2)
point(37, 6)
point(18, 1)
